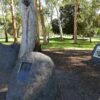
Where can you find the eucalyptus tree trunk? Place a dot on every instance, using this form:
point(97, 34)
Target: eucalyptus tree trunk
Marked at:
point(4, 20)
point(14, 22)
point(5, 28)
point(29, 22)
point(59, 22)
point(90, 39)
point(37, 44)
point(75, 20)
point(36, 7)
point(42, 22)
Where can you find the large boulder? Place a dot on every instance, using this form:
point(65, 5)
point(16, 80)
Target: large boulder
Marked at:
point(33, 78)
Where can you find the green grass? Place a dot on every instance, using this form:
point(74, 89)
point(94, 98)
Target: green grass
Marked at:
point(10, 41)
point(2, 40)
point(67, 43)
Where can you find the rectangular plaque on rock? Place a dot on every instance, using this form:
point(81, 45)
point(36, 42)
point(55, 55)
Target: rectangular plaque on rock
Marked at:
point(23, 72)
point(96, 55)
point(97, 52)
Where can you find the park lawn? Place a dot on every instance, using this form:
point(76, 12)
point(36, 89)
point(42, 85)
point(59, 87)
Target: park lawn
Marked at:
point(10, 41)
point(67, 43)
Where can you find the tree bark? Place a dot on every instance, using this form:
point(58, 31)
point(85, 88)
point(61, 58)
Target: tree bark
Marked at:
point(42, 22)
point(5, 28)
point(14, 22)
point(75, 20)
point(38, 38)
point(60, 26)
point(90, 39)
point(37, 44)
point(29, 23)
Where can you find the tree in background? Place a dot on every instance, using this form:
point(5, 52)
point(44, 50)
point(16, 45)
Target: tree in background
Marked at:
point(55, 27)
point(37, 44)
point(4, 21)
point(42, 23)
point(87, 18)
point(75, 20)
point(12, 18)
point(67, 19)
point(56, 8)
point(49, 13)
point(13, 21)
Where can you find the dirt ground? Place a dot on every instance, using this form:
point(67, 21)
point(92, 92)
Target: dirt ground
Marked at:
point(77, 77)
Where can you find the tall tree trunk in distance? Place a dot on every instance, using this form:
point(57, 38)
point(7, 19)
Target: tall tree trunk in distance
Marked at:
point(4, 20)
point(60, 26)
point(14, 22)
point(37, 44)
point(90, 38)
point(30, 26)
point(36, 9)
point(18, 35)
point(5, 28)
point(42, 23)
point(75, 20)
point(48, 35)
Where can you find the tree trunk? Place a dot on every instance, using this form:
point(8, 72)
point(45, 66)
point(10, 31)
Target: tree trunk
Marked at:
point(75, 20)
point(14, 22)
point(37, 44)
point(60, 26)
point(90, 39)
point(42, 23)
point(38, 38)
point(30, 23)
point(5, 28)
point(4, 20)
point(6, 35)
point(18, 35)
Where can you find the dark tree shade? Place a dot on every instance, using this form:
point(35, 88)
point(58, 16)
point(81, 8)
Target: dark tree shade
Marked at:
point(67, 20)
point(55, 27)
